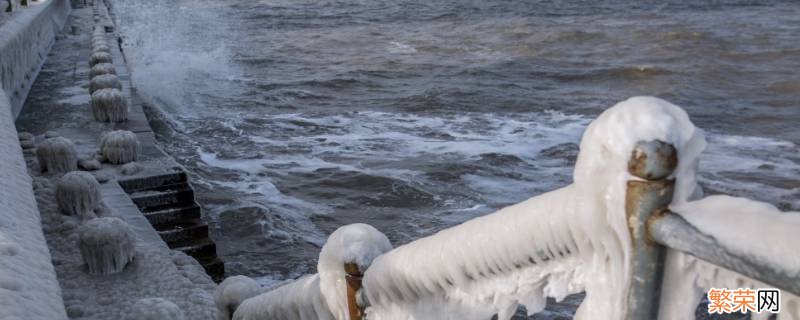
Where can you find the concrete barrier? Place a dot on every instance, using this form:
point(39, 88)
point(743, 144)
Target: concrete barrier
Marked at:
point(28, 285)
point(25, 40)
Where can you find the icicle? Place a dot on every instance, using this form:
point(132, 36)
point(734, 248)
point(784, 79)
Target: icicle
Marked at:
point(232, 292)
point(57, 155)
point(78, 193)
point(120, 146)
point(108, 105)
point(107, 245)
point(102, 68)
point(155, 309)
point(99, 57)
point(104, 81)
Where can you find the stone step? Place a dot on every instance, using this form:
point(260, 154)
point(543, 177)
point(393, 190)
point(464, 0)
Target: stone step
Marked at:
point(173, 215)
point(146, 183)
point(191, 230)
point(196, 248)
point(157, 200)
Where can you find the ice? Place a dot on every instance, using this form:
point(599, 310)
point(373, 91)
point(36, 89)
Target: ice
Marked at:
point(57, 155)
point(356, 243)
point(299, 300)
point(102, 68)
point(107, 245)
point(108, 105)
point(120, 146)
point(78, 193)
point(744, 227)
point(104, 81)
point(232, 292)
point(99, 57)
point(320, 296)
point(155, 309)
point(562, 242)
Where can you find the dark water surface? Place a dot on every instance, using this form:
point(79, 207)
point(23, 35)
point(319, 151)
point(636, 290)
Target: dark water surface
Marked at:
point(296, 117)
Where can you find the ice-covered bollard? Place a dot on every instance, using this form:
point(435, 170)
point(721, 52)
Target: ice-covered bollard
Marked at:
point(57, 155)
point(120, 146)
point(352, 246)
point(101, 47)
point(99, 57)
point(107, 245)
point(155, 309)
point(78, 193)
point(231, 293)
point(101, 69)
point(108, 105)
point(104, 81)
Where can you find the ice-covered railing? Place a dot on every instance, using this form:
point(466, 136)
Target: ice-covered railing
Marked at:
point(607, 234)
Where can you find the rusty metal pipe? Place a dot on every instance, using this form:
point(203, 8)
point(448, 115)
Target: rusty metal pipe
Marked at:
point(653, 162)
point(353, 278)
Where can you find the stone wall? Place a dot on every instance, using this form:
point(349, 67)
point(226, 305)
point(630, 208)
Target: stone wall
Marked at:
point(25, 40)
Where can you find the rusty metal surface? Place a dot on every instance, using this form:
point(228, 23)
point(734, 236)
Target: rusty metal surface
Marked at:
point(353, 279)
point(653, 160)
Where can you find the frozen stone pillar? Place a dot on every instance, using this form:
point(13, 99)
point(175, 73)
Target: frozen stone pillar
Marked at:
point(108, 105)
point(107, 245)
point(99, 57)
point(57, 155)
point(120, 146)
point(78, 193)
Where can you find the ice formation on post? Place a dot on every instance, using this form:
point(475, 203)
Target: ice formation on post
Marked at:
point(156, 309)
point(102, 68)
point(57, 155)
point(104, 81)
point(320, 296)
point(301, 299)
point(99, 57)
point(688, 278)
point(120, 146)
point(232, 292)
point(107, 245)
point(108, 105)
point(565, 241)
point(78, 193)
point(355, 243)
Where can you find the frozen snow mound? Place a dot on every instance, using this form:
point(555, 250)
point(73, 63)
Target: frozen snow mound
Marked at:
point(120, 146)
point(565, 241)
point(232, 292)
point(107, 245)
point(109, 105)
point(104, 81)
point(78, 193)
point(57, 155)
point(156, 309)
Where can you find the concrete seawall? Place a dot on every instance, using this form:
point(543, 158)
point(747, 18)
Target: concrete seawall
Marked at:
point(29, 288)
point(25, 41)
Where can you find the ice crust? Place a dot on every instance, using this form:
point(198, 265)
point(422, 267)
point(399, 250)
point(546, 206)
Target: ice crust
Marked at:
point(78, 193)
point(57, 155)
point(232, 292)
point(107, 245)
point(99, 57)
point(120, 146)
point(102, 68)
point(104, 81)
point(156, 309)
point(744, 227)
point(301, 299)
point(109, 105)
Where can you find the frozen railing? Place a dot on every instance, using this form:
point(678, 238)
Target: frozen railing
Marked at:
point(610, 234)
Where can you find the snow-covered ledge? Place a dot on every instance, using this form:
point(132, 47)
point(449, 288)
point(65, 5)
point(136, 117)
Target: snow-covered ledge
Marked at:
point(28, 285)
point(25, 40)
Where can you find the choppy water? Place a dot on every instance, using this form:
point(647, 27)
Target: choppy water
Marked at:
point(298, 116)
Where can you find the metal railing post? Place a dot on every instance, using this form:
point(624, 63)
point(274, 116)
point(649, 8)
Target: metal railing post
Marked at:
point(353, 279)
point(653, 161)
